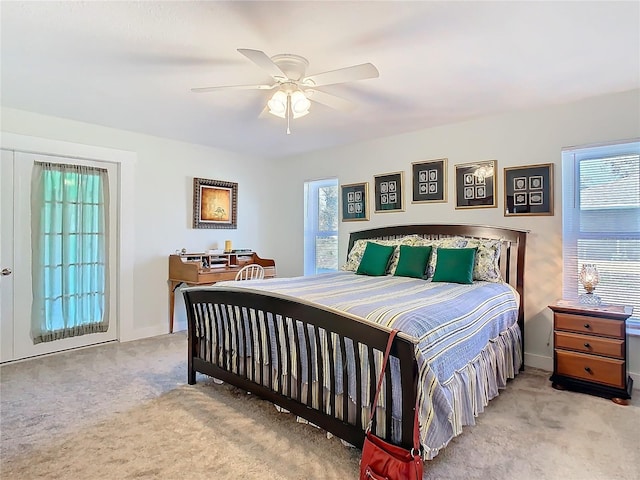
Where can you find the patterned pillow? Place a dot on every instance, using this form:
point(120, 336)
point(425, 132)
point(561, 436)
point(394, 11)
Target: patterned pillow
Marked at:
point(486, 264)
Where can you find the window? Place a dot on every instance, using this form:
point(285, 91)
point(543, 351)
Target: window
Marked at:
point(601, 221)
point(321, 226)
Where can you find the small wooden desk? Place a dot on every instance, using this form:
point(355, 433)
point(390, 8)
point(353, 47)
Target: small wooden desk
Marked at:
point(207, 269)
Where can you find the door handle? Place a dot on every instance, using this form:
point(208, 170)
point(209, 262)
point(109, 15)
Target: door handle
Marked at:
point(6, 271)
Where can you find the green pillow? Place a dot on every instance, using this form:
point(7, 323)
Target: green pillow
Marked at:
point(375, 259)
point(455, 265)
point(413, 261)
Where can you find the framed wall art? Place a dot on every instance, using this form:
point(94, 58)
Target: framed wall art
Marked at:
point(214, 204)
point(355, 202)
point(429, 181)
point(389, 192)
point(476, 184)
point(528, 190)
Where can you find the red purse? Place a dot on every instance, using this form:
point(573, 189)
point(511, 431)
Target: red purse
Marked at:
point(382, 460)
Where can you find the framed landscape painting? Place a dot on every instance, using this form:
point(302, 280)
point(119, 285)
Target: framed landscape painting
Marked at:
point(429, 181)
point(528, 190)
point(388, 192)
point(214, 203)
point(355, 202)
point(476, 184)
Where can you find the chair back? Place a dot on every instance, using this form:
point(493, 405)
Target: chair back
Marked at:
point(252, 271)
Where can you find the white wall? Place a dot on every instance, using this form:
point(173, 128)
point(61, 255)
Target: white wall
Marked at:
point(523, 138)
point(165, 169)
point(162, 202)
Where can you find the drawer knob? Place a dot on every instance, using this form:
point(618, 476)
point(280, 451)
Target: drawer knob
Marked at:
point(587, 345)
point(586, 325)
point(587, 369)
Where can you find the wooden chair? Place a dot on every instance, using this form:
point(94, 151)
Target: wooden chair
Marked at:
point(252, 271)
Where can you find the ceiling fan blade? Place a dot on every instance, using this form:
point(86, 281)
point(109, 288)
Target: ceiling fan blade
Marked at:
point(232, 87)
point(337, 103)
point(264, 113)
point(347, 74)
point(263, 61)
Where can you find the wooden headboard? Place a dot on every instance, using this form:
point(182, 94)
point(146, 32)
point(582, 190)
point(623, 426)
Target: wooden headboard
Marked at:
point(513, 243)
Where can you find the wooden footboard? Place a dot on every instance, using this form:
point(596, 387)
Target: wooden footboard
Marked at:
point(298, 356)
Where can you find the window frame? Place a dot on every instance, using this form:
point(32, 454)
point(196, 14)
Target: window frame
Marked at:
point(311, 222)
point(571, 214)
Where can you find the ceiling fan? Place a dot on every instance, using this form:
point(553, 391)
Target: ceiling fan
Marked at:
point(295, 90)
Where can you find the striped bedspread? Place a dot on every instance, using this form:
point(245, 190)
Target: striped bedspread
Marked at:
point(467, 336)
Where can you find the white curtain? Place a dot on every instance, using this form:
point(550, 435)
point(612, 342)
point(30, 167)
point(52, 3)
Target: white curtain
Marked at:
point(69, 238)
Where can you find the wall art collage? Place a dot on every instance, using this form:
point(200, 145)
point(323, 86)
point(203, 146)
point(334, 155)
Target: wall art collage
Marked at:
point(528, 189)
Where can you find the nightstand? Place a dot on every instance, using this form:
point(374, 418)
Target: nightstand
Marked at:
point(590, 349)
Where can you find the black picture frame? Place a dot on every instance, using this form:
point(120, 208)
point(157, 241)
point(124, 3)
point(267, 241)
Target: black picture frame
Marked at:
point(355, 202)
point(215, 204)
point(389, 192)
point(476, 184)
point(429, 181)
point(528, 190)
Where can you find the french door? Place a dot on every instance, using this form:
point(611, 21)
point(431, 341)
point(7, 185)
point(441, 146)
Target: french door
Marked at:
point(15, 258)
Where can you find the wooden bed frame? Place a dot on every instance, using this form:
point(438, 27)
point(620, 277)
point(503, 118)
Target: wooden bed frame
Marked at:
point(222, 312)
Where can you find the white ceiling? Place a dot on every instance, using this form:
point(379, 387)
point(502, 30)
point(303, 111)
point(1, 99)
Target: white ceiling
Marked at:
point(130, 65)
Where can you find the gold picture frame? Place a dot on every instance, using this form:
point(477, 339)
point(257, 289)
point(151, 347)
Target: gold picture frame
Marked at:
point(389, 192)
point(476, 184)
point(528, 190)
point(214, 204)
point(355, 202)
point(429, 181)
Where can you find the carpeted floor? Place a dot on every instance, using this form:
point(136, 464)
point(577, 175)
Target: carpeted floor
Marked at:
point(124, 411)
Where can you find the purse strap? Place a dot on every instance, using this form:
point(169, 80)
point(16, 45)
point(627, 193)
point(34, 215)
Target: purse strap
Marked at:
point(416, 427)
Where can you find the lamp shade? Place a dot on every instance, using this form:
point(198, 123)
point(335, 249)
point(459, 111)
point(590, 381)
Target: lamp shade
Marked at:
point(299, 103)
point(589, 277)
point(278, 104)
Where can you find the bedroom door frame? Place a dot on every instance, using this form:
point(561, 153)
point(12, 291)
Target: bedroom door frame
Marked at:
point(124, 163)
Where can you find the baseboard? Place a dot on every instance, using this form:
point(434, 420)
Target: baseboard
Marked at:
point(140, 333)
point(539, 361)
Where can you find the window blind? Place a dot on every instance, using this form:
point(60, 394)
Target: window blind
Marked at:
point(601, 221)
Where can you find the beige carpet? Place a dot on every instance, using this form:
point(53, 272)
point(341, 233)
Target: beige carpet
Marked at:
point(124, 411)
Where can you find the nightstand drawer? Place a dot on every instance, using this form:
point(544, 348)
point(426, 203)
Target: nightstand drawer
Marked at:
point(592, 325)
point(607, 371)
point(608, 347)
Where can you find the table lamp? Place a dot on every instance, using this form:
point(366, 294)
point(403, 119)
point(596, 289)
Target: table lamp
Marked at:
point(589, 278)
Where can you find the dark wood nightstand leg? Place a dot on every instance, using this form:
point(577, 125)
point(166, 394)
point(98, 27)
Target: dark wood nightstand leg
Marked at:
point(557, 386)
point(620, 401)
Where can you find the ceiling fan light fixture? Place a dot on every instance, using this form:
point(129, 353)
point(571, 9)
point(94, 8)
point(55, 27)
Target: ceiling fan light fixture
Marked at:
point(278, 104)
point(299, 104)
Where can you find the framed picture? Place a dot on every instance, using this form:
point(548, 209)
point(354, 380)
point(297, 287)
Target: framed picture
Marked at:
point(429, 181)
point(476, 184)
point(389, 192)
point(528, 190)
point(214, 204)
point(355, 202)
